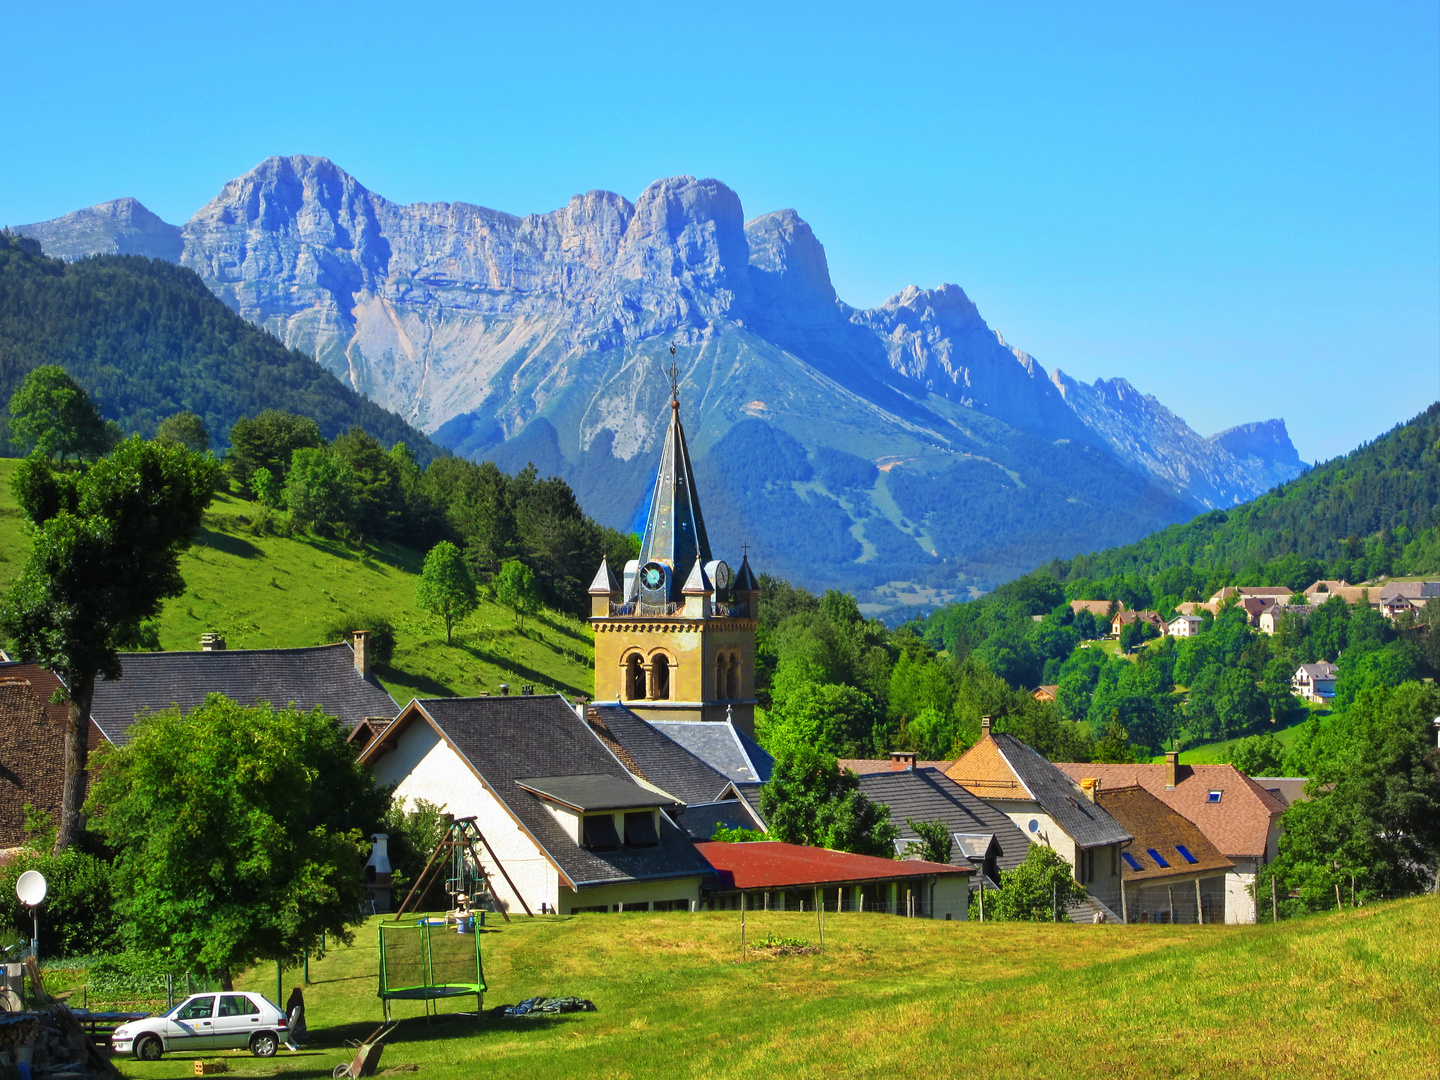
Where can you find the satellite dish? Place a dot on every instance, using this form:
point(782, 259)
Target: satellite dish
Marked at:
point(31, 888)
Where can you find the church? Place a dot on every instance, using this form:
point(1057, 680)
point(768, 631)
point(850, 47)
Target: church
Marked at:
point(675, 632)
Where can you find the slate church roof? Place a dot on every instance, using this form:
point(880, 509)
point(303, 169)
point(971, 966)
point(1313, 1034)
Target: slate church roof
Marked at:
point(509, 740)
point(674, 528)
point(153, 682)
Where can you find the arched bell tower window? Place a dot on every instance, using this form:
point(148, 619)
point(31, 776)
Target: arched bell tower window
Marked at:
point(722, 670)
point(732, 678)
point(634, 678)
point(660, 677)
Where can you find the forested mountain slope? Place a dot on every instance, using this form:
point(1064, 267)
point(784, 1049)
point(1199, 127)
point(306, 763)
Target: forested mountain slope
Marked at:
point(147, 339)
point(1374, 511)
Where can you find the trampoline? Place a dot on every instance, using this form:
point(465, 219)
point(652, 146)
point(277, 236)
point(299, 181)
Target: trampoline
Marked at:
point(429, 960)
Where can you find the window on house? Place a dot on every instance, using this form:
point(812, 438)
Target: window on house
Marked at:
point(1132, 862)
point(1185, 853)
point(1159, 859)
point(1214, 796)
point(640, 829)
point(600, 834)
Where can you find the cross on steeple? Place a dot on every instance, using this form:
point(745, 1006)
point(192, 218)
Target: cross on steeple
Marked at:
point(674, 373)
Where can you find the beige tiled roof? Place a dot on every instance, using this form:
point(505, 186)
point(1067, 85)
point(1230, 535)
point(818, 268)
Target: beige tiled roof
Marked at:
point(1238, 825)
point(1159, 828)
point(866, 766)
point(982, 770)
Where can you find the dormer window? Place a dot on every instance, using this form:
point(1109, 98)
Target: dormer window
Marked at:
point(640, 829)
point(600, 834)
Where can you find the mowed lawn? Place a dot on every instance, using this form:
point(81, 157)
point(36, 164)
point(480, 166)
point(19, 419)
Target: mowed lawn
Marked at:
point(1349, 994)
point(271, 592)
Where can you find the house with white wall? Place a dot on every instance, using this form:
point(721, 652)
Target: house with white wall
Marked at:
point(1050, 808)
point(573, 829)
point(1236, 814)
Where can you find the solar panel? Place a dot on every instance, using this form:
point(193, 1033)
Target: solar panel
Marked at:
point(1185, 853)
point(1131, 862)
point(1159, 859)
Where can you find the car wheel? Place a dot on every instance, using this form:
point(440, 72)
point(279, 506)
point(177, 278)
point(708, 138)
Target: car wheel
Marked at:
point(264, 1044)
point(148, 1048)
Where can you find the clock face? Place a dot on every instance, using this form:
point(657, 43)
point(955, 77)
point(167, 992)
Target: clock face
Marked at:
point(652, 576)
point(722, 576)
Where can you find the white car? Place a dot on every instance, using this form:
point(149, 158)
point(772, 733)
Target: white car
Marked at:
point(203, 1022)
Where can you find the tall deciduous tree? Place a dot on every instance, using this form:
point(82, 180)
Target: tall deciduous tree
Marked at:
point(517, 589)
point(239, 831)
point(320, 490)
point(52, 414)
point(268, 440)
point(106, 553)
point(184, 429)
point(446, 588)
point(810, 801)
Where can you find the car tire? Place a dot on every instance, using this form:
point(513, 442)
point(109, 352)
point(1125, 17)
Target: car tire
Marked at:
point(264, 1044)
point(149, 1048)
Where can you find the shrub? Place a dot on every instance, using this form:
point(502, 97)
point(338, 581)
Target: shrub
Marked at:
point(382, 633)
point(77, 915)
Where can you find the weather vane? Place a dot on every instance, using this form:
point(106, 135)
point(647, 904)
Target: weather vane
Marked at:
point(674, 374)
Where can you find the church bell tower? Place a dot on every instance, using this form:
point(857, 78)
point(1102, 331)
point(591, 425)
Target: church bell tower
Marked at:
point(675, 634)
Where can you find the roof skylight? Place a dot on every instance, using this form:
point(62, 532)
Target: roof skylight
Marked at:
point(1159, 859)
point(1132, 862)
point(1185, 853)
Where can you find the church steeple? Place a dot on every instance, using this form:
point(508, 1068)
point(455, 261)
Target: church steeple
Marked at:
point(674, 528)
point(676, 639)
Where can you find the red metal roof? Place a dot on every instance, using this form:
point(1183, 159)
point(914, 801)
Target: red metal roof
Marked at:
point(769, 864)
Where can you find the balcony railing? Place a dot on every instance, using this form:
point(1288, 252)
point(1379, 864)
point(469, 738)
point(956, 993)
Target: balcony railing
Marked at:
point(638, 609)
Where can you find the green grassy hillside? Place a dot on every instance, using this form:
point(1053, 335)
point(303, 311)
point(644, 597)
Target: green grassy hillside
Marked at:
point(275, 592)
point(1340, 995)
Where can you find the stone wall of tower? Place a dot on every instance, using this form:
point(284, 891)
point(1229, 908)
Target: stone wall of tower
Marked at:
point(698, 654)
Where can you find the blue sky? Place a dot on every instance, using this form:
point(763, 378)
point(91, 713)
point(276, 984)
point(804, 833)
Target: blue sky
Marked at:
point(1235, 207)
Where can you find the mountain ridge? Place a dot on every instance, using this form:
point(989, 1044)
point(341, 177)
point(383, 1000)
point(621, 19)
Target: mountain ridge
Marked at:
point(545, 334)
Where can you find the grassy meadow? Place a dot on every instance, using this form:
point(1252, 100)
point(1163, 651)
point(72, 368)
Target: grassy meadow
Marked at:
point(279, 592)
point(1349, 994)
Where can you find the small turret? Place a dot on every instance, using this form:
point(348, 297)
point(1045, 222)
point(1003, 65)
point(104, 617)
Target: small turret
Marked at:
point(604, 590)
point(746, 589)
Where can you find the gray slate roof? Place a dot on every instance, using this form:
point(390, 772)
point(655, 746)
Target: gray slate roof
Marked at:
point(723, 747)
point(701, 821)
point(600, 792)
point(1060, 797)
point(505, 739)
point(662, 761)
point(153, 682)
point(929, 795)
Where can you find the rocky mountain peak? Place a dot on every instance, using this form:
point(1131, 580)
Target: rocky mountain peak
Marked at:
point(1264, 440)
point(789, 270)
point(118, 227)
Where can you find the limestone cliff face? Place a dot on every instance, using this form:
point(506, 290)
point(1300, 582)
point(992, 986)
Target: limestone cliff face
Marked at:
point(1222, 470)
point(542, 338)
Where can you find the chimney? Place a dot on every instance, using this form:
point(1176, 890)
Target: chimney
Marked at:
point(1091, 787)
point(362, 653)
point(902, 760)
point(1172, 766)
point(984, 726)
point(504, 689)
point(212, 642)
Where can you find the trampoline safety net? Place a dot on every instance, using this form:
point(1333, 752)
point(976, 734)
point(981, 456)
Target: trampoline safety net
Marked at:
point(421, 962)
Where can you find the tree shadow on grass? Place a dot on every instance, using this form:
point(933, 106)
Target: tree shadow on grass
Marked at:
point(420, 686)
point(230, 545)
